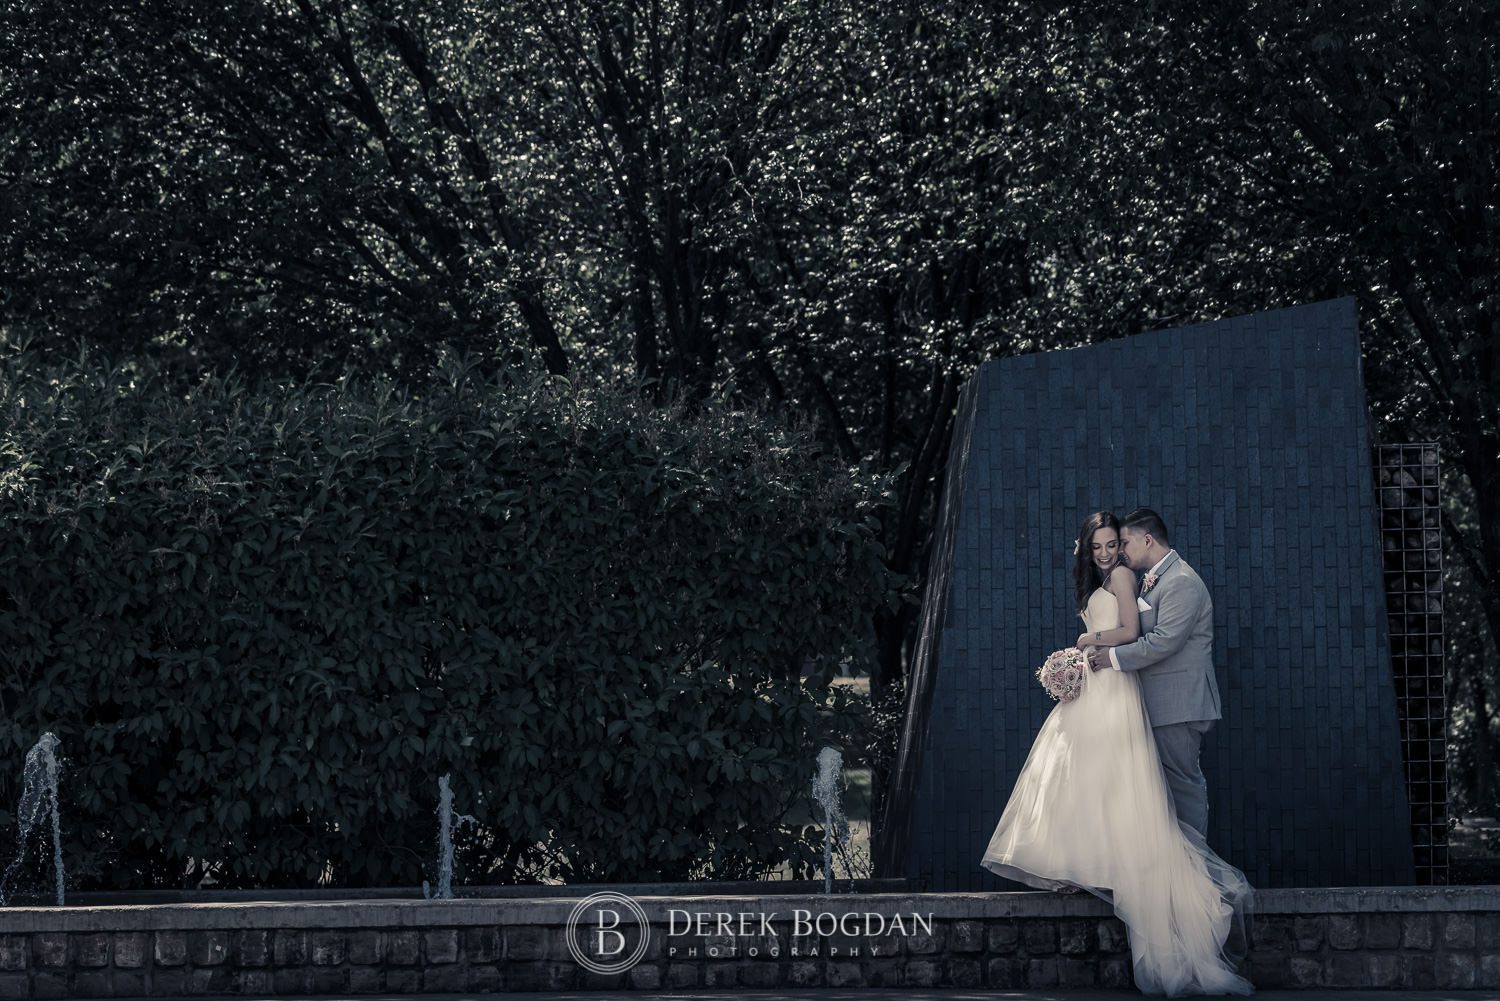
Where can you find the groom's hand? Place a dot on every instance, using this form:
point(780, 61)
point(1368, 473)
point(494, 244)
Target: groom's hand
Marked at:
point(1098, 659)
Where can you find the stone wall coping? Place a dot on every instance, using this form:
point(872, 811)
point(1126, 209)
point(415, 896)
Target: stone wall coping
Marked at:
point(556, 911)
point(686, 888)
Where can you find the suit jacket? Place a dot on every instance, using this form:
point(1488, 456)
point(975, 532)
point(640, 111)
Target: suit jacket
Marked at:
point(1174, 657)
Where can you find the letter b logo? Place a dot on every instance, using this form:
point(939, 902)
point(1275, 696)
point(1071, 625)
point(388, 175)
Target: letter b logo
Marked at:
point(601, 928)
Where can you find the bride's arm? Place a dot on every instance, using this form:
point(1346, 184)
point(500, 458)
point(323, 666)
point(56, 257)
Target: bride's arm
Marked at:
point(1122, 586)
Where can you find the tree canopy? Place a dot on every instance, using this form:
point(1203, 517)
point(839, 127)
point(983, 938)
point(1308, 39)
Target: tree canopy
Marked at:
point(838, 208)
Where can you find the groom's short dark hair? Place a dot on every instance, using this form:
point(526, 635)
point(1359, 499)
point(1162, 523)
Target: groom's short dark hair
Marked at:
point(1143, 519)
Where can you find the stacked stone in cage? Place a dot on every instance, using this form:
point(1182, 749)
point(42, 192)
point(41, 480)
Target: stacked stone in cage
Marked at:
point(1412, 544)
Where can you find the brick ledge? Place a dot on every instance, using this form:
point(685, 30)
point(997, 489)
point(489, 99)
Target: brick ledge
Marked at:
point(556, 910)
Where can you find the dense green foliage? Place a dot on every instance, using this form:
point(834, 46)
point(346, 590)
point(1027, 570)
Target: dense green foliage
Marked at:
point(838, 209)
point(262, 627)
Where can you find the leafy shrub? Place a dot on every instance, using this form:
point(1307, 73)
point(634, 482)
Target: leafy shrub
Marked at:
point(263, 623)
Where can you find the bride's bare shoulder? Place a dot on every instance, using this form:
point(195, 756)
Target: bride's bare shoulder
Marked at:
point(1122, 580)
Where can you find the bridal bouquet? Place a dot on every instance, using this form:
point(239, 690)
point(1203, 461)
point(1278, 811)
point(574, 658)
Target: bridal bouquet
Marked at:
point(1063, 673)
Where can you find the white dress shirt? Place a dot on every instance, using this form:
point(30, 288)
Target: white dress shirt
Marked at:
point(1112, 661)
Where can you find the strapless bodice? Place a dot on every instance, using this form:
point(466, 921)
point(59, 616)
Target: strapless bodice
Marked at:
point(1102, 611)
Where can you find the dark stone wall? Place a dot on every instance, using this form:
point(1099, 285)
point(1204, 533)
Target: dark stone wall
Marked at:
point(1006, 942)
point(1249, 436)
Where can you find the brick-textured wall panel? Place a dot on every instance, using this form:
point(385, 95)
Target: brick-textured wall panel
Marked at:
point(1249, 436)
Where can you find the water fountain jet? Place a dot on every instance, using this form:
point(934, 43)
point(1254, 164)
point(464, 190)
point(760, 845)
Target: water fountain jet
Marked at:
point(826, 791)
point(38, 791)
point(447, 821)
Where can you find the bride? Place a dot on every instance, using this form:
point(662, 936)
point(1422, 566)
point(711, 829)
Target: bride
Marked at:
point(1091, 809)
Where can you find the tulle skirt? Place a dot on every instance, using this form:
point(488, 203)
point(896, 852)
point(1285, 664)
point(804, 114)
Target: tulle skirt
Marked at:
point(1091, 809)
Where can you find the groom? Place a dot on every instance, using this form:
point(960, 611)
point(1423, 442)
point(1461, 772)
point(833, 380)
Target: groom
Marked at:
point(1174, 656)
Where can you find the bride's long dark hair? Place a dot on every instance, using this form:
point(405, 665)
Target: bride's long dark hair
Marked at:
point(1086, 576)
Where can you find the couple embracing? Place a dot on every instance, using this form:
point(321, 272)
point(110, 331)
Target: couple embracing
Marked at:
point(1111, 798)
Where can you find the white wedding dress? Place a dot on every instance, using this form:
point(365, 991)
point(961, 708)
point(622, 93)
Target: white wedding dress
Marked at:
point(1091, 809)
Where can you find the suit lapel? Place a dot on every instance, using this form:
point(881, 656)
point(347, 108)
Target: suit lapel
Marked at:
point(1148, 618)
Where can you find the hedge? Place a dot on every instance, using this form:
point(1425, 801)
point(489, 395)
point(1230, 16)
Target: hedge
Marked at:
point(263, 621)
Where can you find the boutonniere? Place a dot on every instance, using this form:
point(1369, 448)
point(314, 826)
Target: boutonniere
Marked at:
point(1150, 582)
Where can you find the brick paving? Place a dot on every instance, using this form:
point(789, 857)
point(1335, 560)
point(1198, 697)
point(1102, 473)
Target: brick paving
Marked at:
point(886, 994)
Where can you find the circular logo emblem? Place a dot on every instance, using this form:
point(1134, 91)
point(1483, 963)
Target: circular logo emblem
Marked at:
point(596, 937)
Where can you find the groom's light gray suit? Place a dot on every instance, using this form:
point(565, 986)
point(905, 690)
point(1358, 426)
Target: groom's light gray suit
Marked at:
point(1174, 658)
